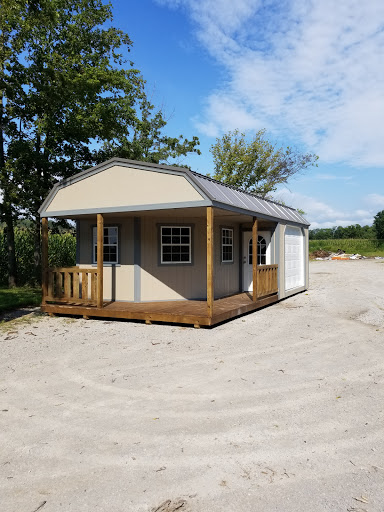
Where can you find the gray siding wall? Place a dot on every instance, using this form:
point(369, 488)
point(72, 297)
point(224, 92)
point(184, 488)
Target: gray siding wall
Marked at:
point(118, 279)
point(178, 281)
point(172, 281)
point(151, 281)
point(226, 274)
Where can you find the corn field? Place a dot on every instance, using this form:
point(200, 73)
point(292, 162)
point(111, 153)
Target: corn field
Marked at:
point(364, 247)
point(62, 253)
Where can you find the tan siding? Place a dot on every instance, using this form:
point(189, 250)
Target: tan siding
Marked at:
point(281, 260)
point(163, 282)
point(123, 186)
point(118, 280)
point(306, 257)
point(226, 274)
point(172, 282)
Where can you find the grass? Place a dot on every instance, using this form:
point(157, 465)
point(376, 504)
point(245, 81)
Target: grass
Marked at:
point(13, 298)
point(350, 246)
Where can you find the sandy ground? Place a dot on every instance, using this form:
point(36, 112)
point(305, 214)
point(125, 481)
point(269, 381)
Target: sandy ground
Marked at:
point(280, 410)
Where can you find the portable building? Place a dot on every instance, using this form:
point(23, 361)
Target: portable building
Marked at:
point(162, 243)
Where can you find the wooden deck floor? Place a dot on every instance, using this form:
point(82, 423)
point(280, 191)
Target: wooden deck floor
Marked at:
point(186, 312)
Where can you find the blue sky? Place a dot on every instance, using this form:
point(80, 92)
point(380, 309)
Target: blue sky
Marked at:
point(309, 72)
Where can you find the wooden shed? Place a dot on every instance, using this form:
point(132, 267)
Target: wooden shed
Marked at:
point(161, 243)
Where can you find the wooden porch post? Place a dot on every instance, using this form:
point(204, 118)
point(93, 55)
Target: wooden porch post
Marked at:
point(210, 278)
point(44, 258)
point(254, 258)
point(100, 259)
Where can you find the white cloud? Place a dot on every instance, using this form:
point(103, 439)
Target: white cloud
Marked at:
point(332, 177)
point(227, 112)
point(321, 214)
point(375, 200)
point(308, 68)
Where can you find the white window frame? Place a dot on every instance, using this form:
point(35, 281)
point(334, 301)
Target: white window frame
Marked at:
point(178, 245)
point(227, 233)
point(94, 245)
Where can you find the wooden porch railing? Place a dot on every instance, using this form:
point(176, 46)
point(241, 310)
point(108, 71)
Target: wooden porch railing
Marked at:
point(266, 280)
point(72, 284)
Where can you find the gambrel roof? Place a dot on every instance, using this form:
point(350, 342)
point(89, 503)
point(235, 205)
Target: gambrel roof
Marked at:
point(221, 194)
point(117, 186)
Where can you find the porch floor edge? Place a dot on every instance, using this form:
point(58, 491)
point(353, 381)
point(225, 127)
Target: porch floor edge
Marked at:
point(187, 312)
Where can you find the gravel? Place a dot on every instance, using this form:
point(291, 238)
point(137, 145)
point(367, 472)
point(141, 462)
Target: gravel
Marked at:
point(279, 410)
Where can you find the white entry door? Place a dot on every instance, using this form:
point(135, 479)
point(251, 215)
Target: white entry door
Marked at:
point(294, 257)
point(263, 255)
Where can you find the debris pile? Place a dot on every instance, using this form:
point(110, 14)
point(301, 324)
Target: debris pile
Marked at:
point(338, 255)
point(321, 255)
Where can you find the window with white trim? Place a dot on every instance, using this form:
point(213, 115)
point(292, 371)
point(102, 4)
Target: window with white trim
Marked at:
point(226, 245)
point(175, 244)
point(111, 244)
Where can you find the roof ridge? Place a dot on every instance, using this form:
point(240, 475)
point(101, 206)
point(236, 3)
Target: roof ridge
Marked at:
point(237, 189)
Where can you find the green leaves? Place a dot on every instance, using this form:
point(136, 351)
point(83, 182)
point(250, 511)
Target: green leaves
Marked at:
point(378, 224)
point(256, 166)
point(354, 231)
point(69, 99)
point(62, 253)
point(144, 139)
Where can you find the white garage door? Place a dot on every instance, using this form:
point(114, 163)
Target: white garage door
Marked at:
point(294, 258)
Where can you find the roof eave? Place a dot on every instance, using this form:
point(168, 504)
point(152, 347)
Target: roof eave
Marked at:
point(245, 211)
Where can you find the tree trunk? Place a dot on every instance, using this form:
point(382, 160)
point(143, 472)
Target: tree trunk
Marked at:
point(11, 252)
point(37, 249)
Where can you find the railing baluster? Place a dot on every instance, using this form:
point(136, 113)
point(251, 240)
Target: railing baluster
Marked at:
point(267, 280)
point(59, 285)
point(84, 285)
point(93, 286)
point(67, 285)
point(72, 284)
point(50, 291)
point(76, 285)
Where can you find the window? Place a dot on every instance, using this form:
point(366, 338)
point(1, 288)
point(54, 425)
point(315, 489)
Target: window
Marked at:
point(175, 244)
point(111, 244)
point(261, 251)
point(226, 245)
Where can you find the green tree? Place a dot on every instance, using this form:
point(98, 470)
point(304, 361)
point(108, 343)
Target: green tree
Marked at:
point(378, 224)
point(69, 91)
point(12, 43)
point(321, 233)
point(145, 140)
point(256, 165)
point(355, 231)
